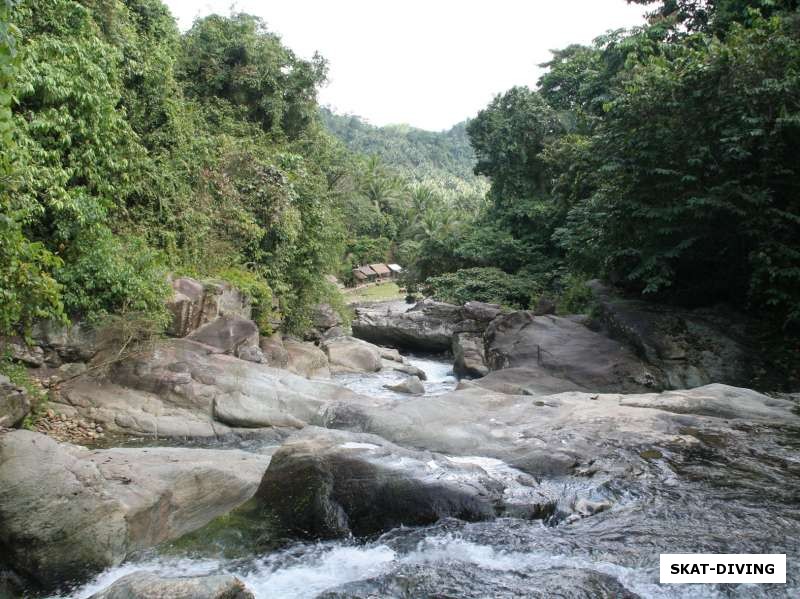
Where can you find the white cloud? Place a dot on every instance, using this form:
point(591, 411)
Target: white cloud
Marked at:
point(429, 63)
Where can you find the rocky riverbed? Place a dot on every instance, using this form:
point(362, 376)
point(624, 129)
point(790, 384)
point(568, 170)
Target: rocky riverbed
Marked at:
point(563, 467)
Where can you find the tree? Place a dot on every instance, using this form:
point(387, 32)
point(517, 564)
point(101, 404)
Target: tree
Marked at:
point(237, 59)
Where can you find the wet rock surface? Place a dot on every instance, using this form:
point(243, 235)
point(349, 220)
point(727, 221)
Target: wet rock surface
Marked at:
point(553, 435)
point(565, 472)
point(477, 583)
point(145, 585)
point(326, 483)
point(411, 385)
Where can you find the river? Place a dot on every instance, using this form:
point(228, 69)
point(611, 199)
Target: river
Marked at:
point(741, 503)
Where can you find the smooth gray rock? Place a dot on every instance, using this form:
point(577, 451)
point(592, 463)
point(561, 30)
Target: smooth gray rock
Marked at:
point(325, 317)
point(406, 368)
point(66, 511)
point(324, 483)
point(14, 403)
point(566, 350)
point(411, 385)
point(348, 354)
point(565, 433)
point(468, 353)
point(185, 389)
point(274, 352)
point(692, 347)
point(146, 585)
point(306, 359)
point(428, 326)
point(481, 311)
point(229, 334)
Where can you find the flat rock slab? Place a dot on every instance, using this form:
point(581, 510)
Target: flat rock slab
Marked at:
point(327, 483)
point(66, 511)
point(567, 433)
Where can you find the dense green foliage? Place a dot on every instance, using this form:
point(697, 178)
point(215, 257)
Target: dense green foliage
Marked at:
point(663, 159)
point(135, 151)
point(483, 285)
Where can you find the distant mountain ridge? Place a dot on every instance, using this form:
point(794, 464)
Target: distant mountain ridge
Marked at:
point(418, 153)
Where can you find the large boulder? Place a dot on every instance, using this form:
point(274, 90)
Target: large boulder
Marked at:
point(14, 403)
point(306, 359)
point(77, 342)
point(469, 355)
point(147, 585)
point(471, 580)
point(692, 347)
point(562, 348)
point(195, 303)
point(192, 305)
point(19, 351)
point(229, 334)
point(428, 326)
point(481, 311)
point(324, 317)
point(324, 483)
point(66, 511)
point(274, 352)
point(348, 354)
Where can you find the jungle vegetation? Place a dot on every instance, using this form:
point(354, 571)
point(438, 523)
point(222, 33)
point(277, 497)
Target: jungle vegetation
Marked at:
point(662, 159)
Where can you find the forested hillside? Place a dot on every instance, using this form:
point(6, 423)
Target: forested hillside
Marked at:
point(444, 156)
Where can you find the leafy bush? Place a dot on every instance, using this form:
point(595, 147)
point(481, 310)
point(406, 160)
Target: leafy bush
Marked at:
point(106, 274)
point(256, 288)
point(485, 285)
point(575, 297)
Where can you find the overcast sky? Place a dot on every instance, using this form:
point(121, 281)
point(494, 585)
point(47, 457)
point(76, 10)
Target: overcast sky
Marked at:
point(428, 63)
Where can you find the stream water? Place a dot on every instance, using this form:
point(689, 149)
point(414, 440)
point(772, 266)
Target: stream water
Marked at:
point(712, 502)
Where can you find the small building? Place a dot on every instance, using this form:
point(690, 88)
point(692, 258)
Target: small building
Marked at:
point(395, 269)
point(381, 270)
point(368, 272)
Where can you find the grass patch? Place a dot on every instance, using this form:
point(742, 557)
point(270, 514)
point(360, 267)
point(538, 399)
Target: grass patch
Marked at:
point(374, 293)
